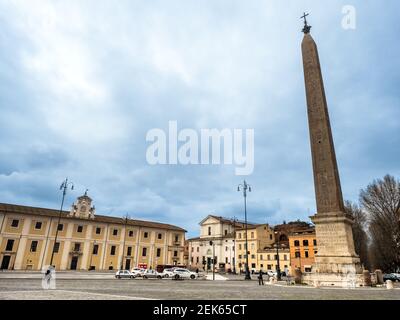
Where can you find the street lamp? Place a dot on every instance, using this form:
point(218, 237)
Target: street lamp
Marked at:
point(63, 187)
point(245, 187)
point(278, 269)
point(234, 245)
point(213, 258)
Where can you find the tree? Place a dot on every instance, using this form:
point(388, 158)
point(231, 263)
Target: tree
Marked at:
point(381, 200)
point(359, 234)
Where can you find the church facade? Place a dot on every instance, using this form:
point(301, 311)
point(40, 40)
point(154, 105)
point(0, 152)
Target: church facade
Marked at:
point(85, 240)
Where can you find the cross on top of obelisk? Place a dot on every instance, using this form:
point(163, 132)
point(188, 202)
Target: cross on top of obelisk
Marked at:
point(306, 28)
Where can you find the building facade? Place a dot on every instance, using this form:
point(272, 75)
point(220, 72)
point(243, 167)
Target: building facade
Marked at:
point(221, 232)
point(267, 259)
point(303, 248)
point(85, 241)
point(259, 236)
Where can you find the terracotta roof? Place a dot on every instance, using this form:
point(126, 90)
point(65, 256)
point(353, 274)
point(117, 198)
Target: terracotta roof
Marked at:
point(13, 208)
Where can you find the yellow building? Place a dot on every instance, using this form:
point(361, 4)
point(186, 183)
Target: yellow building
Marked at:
point(85, 241)
point(303, 247)
point(259, 236)
point(267, 259)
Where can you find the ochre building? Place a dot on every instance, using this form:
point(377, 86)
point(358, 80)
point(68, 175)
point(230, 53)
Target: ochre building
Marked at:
point(85, 241)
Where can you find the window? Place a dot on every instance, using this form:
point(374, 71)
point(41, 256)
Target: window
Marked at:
point(176, 238)
point(98, 230)
point(159, 253)
point(209, 231)
point(130, 233)
point(15, 223)
point(297, 254)
point(239, 235)
point(192, 249)
point(77, 246)
point(56, 247)
point(80, 229)
point(270, 237)
point(95, 249)
point(197, 259)
point(261, 265)
point(159, 236)
point(240, 256)
point(191, 259)
point(276, 257)
point(146, 235)
point(261, 257)
point(198, 249)
point(253, 265)
point(307, 269)
point(34, 245)
point(306, 254)
point(226, 259)
point(10, 244)
point(315, 252)
point(112, 252)
point(305, 243)
point(296, 243)
point(253, 256)
point(38, 225)
point(240, 246)
point(252, 235)
point(268, 257)
point(129, 251)
point(269, 267)
point(226, 232)
point(115, 232)
point(284, 257)
point(144, 252)
point(60, 227)
point(315, 242)
point(226, 248)
point(175, 253)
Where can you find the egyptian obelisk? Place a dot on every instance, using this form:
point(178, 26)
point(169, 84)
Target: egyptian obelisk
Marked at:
point(336, 259)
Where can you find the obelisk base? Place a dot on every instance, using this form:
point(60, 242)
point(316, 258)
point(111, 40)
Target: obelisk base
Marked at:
point(336, 263)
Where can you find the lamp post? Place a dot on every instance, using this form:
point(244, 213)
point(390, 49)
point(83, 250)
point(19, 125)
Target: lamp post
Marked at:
point(234, 245)
point(278, 269)
point(63, 187)
point(213, 258)
point(245, 187)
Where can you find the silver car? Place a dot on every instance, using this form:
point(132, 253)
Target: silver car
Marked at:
point(148, 274)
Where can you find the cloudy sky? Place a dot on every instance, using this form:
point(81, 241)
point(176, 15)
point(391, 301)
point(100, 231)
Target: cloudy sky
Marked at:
point(82, 82)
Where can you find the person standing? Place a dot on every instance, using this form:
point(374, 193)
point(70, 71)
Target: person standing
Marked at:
point(260, 279)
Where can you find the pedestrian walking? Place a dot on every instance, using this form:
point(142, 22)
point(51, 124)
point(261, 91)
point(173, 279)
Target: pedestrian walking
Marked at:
point(260, 279)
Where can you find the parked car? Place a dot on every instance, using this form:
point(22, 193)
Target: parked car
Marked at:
point(168, 273)
point(149, 273)
point(138, 272)
point(180, 273)
point(391, 276)
point(124, 274)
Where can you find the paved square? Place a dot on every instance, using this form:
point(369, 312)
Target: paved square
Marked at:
point(85, 288)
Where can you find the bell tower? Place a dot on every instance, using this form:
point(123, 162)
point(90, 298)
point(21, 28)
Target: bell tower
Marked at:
point(83, 208)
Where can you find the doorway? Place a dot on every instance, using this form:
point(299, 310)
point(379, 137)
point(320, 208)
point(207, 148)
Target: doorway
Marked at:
point(128, 264)
point(74, 263)
point(5, 262)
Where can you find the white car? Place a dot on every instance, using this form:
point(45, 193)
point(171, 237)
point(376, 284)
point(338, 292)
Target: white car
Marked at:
point(124, 274)
point(180, 273)
point(138, 272)
point(168, 273)
point(152, 274)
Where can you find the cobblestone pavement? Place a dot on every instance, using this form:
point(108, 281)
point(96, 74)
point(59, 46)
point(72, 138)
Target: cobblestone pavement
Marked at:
point(92, 289)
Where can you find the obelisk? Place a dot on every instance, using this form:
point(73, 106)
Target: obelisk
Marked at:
point(336, 256)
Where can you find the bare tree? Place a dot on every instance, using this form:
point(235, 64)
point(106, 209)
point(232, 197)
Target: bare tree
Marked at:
point(359, 234)
point(381, 200)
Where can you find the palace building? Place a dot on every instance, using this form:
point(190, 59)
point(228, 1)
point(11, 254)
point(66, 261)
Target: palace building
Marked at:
point(85, 240)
